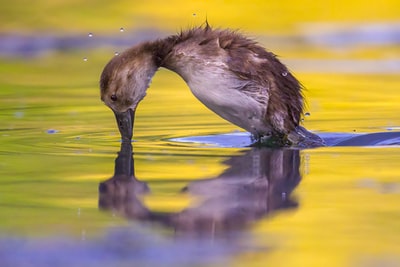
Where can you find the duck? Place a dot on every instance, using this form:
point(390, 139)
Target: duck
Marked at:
point(231, 74)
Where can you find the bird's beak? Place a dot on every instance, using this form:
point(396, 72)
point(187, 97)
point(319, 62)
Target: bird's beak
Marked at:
point(125, 124)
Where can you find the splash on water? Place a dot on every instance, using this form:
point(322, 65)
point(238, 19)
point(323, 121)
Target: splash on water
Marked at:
point(243, 139)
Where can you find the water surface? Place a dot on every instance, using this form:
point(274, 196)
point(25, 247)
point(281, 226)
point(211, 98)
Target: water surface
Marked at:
point(71, 195)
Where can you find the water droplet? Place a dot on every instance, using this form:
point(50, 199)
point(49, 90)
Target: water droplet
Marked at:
point(85, 59)
point(19, 114)
point(121, 29)
point(51, 131)
point(307, 114)
point(90, 34)
point(116, 53)
point(83, 235)
point(284, 74)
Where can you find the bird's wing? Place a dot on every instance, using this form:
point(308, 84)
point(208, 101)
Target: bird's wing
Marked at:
point(269, 80)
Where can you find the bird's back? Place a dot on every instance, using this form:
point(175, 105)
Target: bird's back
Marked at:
point(228, 72)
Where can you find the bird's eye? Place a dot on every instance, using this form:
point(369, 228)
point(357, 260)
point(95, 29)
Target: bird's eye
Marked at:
point(113, 97)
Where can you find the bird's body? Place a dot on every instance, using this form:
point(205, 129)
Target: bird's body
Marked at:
point(230, 74)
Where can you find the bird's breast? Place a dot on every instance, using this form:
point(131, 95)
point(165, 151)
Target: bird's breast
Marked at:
point(219, 89)
point(221, 92)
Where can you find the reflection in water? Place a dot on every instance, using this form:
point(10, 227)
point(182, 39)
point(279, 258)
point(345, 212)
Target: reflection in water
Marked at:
point(256, 183)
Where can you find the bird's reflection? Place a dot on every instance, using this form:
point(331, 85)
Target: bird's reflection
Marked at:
point(256, 183)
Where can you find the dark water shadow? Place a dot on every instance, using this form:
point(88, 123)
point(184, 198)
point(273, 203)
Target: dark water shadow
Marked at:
point(256, 183)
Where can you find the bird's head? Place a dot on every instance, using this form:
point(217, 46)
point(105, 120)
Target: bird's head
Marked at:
point(123, 85)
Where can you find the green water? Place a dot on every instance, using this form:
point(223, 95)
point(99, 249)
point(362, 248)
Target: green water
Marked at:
point(332, 206)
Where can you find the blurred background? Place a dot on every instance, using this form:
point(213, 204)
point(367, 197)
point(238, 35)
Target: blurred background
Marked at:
point(74, 17)
point(58, 141)
point(330, 37)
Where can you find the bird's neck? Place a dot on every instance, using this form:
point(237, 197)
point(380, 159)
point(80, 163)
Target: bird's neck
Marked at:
point(147, 57)
point(140, 63)
point(161, 49)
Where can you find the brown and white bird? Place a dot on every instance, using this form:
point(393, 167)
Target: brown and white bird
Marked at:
point(230, 74)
